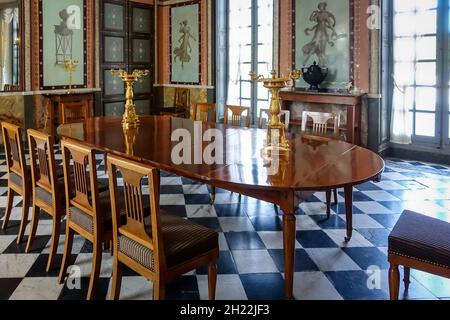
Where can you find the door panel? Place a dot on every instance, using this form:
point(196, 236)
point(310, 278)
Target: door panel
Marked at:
point(127, 43)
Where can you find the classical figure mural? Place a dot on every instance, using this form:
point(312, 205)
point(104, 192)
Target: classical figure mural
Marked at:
point(64, 38)
point(62, 30)
point(185, 43)
point(322, 35)
point(182, 53)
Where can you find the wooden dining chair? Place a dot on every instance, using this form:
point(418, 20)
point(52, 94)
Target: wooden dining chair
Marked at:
point(285, 117)
point(205, 112)
point(320, 127)
point(18, 174)
point(321, 122)
point(47, 188)
point(237, 116)
point(181, 104)
point(153, 243)
point(74, 112)
point(88, 211)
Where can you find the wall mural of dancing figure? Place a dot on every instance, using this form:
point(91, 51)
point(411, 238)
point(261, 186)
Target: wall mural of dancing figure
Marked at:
point(182, 53)
point(324, 35)
point(185, 43)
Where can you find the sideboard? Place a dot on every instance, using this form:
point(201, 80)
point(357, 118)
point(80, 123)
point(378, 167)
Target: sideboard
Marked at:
point(351, 102)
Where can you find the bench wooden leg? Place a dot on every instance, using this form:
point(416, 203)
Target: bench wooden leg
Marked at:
point(394, 281)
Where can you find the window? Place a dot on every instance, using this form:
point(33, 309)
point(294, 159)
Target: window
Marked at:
point(419, 67)
point(250, 48)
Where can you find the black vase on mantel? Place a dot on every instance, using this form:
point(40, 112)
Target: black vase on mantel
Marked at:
point(314, 75)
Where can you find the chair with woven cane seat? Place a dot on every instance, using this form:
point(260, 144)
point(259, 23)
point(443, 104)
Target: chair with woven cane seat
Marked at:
point(88, 211)
point(47, 188)
point(18, 174)
point(320, 121)
point(418, 242)
point(153, 243)
point(237, 116)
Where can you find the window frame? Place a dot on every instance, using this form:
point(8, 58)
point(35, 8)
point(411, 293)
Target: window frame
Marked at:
point(254, 99)
point(441, 138)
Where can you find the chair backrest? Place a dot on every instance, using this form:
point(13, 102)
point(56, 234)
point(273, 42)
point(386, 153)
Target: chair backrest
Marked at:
point(285, 117)
point(182, 98)
point(237, 116)
point(80, 179)
point(320, 123)
point(42, 160)
point(205, 111)
point(14, 150)
point(73, 112)
point(135, 227)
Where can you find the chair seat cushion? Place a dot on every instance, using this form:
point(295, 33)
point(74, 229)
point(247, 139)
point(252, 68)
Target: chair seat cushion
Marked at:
point(46, 196)
point(17, 179)
point(182, 239)
point(85, 220)
point(421, 238)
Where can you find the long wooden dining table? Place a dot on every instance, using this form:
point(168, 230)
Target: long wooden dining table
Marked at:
point(312, 165)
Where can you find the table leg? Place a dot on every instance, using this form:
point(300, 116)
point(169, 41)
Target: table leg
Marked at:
point(348, 190)
point(289, 228)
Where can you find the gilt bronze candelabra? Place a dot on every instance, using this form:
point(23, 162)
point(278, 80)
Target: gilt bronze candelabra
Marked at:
point(276, 138)
point(70, 66)
point(130, 118)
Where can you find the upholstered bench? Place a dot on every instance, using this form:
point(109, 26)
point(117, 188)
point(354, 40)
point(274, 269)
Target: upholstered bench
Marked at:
point(421, 243)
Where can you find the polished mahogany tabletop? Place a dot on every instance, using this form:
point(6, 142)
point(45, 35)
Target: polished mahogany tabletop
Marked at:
point(313, 164)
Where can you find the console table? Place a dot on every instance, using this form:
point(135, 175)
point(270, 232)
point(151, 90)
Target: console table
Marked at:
point(352, 103)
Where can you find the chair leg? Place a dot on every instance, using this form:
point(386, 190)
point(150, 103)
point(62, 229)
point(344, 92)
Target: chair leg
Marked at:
point(328, 196)
point(394, 282)
point(95, 272)
point(159, 290)
point(212, 280)
point(67, 253)
point(105, 158)
point(9, 202)
point(116, 278)
point(213, 195)
point(335, 197)
point(34, 224)
point(55, 241)
point(24, 221)
point(407, 277)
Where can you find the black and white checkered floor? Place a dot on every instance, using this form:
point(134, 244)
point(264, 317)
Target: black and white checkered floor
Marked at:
point(251, 259)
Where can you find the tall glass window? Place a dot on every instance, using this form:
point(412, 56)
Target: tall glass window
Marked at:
point(250, 48)
point(419, 67)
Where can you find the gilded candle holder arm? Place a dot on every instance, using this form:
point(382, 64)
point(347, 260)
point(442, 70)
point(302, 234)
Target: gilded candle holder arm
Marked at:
point(130, 118)
point(276, 137)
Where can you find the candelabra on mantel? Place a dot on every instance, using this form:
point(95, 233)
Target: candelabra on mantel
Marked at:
point(130, 118)
point(70, 66)
point(276, 138)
